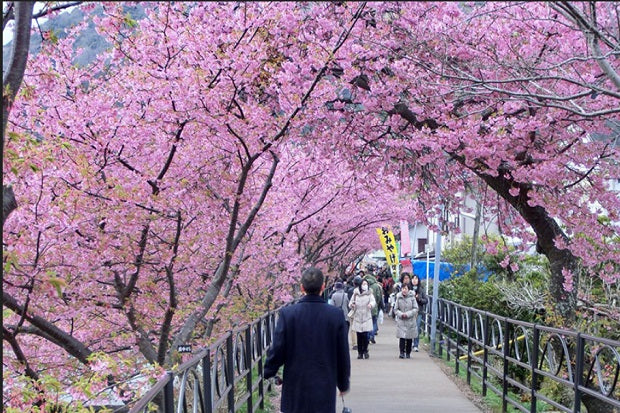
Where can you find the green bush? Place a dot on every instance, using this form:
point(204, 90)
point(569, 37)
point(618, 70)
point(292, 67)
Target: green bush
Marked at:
point(490, 286)
point(468, 290)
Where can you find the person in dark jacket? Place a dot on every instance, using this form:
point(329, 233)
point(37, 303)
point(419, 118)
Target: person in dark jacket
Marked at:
point(310, 340)
point(354, 283)
point(422, 299)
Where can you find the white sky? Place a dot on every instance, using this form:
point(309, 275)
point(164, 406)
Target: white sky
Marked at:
point(7, 33)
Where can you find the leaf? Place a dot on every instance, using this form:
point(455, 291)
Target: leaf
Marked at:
point(57, 283)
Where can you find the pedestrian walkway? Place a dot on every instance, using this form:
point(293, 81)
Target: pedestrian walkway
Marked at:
point(385, 383)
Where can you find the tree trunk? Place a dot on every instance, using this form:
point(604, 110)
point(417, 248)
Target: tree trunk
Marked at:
point(11, 82)
point(547, 230)
point(594, 405)
point(9, 203)
point(12, 79)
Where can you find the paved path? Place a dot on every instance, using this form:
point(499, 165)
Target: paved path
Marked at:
point(385, 383)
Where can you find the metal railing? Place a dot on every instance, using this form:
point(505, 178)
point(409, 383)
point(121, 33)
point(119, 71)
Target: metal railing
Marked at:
point(512, 356)
point(223, 377)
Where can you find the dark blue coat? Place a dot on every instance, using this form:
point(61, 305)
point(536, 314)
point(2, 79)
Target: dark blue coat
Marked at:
point(311, 342)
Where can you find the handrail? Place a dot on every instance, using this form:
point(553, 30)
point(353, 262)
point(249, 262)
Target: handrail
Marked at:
point(505, 353)
point(501, 352)
point(211, 379)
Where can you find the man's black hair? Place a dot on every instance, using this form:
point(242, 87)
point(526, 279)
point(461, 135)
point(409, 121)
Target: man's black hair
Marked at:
point(312, 280)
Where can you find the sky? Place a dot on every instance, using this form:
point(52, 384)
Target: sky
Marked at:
point(7, 33)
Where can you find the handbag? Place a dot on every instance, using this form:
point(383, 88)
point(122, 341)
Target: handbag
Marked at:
point(344, 408)
point(351, 311)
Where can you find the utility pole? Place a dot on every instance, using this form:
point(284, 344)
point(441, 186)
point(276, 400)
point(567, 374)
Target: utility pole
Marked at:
point(436, 284)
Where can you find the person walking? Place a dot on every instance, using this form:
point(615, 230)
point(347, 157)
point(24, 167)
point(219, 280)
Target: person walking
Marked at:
point(362, 303)
point(422, 300)
point(353, 284)
point(340, 300)
point(310, 340)
point(406, 311)
point(387, 282)
point(377, 292)
point(405, 278)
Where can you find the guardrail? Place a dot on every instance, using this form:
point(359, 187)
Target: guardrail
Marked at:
point(223, 377)
point(506, 354)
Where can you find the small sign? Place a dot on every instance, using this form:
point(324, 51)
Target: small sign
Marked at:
point(184, 348)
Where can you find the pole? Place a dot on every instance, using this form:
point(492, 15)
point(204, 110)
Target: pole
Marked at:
point(427, 247)
point(436, 285)
point(428, 251)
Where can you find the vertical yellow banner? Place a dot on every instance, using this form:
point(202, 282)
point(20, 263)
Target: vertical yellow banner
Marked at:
point(389, 248)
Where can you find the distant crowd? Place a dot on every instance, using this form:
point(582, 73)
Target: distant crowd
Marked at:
point(370, 293)
point(310, 345)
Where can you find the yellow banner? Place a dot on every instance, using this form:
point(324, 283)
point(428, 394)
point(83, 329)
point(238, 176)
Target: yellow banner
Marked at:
point(389, 248)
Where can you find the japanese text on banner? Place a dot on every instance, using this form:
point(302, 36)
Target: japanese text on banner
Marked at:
point(389, 247)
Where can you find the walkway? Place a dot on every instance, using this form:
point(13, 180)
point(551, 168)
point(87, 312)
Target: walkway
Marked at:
point(385, 383)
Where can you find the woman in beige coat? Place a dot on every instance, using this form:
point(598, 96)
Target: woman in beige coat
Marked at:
point(362, 302)
point(406, 312)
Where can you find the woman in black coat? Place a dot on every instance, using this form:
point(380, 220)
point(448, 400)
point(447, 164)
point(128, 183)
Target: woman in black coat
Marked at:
point(422, 299)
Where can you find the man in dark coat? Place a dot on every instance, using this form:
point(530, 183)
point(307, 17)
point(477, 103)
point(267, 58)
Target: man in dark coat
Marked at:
point(310, 340)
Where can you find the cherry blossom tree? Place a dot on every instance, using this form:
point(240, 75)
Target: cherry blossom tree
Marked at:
point(180, 182)
point(142, 175)
point(510, 94)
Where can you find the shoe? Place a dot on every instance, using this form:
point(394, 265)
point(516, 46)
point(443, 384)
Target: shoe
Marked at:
point(408, 355)
point(366, 355)
point(401, 356)
point(415, 349)
point(372, 340)
point(354, 347)
point(359, 356)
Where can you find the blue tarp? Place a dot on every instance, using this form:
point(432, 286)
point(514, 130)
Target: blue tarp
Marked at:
point(419, 268)
point(445, 271)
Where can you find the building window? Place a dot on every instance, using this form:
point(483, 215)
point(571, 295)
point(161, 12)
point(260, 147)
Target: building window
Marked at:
point(422, 244)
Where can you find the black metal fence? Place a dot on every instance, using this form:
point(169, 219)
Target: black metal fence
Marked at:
point(227, 376)
point(512, 357)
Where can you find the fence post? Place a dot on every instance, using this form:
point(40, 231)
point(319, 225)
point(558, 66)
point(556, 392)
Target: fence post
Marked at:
point(505, 363)
point(449, 323)
point(442, 326)
point(485, 354)
point(534, 366)
point(207, 400)
point(457, 335)
point(248, 361)
point(230, 370)
point(578, 379)
point(261, 372)
point(169, 394)
point(470, 332)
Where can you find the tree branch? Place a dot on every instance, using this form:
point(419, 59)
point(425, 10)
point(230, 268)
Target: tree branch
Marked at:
point(55, 335)
point(172, 296)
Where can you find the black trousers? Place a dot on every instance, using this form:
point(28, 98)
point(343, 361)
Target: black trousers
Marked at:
point(362, 342)
point(404, 345)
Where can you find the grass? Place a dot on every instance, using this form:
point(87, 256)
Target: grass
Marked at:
point(268, 395)
point(492, 400)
